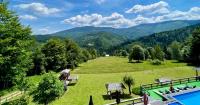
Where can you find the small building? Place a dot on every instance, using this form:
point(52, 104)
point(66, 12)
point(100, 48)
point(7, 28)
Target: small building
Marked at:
point(107, 55)
point(113, 87)
point(68, 78)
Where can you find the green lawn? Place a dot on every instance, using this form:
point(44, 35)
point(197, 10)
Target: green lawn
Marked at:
point(94, 74)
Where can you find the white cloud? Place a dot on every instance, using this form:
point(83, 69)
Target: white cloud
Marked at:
point(100, 1)
point(39, 8)
point(44, 30)
point(159, 7)
point(28, 17)
point(117, 20)
point(114, 20)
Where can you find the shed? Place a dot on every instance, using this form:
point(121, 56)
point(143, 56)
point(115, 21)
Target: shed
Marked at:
point(112, 87)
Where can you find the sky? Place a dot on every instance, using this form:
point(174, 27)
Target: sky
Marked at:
point(49, 16)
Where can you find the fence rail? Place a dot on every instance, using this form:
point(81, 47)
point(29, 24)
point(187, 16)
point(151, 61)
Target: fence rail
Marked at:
point(129, 101)
point(7, 98)
point(156, 85)
point(175, 81)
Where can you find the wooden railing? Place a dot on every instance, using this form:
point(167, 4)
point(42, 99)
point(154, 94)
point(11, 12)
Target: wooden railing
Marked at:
point(4, 99)
point(156, 85)
point(129, 101)
point(174, 82)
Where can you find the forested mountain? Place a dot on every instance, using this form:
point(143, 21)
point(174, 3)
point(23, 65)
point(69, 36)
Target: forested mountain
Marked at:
point(100, 40)
point(162, 38)
point(131, 32)
point(104, 38)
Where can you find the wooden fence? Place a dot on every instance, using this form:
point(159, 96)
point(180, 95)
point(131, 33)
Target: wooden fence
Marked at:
point(174, 82)
point(129, 101)
point(9, 97)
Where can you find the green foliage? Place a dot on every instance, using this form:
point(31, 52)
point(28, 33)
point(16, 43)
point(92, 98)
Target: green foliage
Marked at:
point(23, 84)
point(93, 53)
point(147, 55)
point(152, 52)
point(23, 100)
point(15, 41)
point(124, 53)
point(175, 50)
point(85, 55)
point(137, 53)
point(38, 62)
point(185, 52)
point(136, 91)
point(156, 62)
point(72, 53)
point(129, 81)
point(48, 89)
point(195, 52)
point(159, 54)
point(54, 51)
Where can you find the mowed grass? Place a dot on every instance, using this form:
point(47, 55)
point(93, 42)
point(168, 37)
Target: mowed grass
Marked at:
point(94, 74)
point(120, 64)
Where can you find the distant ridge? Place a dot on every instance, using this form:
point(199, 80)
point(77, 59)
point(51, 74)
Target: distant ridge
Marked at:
point(131, 32)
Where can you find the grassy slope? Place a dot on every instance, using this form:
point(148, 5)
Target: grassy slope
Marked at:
point(94, 74)
point(119, 65)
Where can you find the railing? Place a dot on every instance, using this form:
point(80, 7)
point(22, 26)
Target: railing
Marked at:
point(156, 85)
point(9, 97)
point(168, 83)
point(129, 101)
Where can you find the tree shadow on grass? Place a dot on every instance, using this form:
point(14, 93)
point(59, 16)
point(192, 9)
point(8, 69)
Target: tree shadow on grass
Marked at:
point(135, 62)
point(72, 84)
point(123, 96)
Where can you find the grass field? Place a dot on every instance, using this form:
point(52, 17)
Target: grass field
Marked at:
point(94, 74)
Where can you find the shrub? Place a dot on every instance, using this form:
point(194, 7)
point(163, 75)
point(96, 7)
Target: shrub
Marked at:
point(156, 62)
point(136, 91)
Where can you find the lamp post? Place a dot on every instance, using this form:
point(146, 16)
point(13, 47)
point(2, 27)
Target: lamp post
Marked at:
point(196, 72)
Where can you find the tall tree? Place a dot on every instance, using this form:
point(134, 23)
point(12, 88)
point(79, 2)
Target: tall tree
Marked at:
point(39, 62)
point(146, 54)
point(72, 53)
point(124, 53)
point(48, 89)
point(159, 54)
point(137, 53)
point(15, 40)
point(152, 52)
point(195, 52)
point(54, 51)
point(175, 50)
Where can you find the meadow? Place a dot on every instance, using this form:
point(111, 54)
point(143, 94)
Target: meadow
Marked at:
point(94, 74)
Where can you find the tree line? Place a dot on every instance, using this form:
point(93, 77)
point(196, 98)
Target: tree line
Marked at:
point(185, 51)
point(21, 55)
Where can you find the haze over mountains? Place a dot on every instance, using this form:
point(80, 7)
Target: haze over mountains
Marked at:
point(106, 37)
point(131, 32)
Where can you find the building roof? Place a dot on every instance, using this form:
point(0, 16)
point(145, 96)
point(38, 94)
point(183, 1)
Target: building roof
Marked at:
point(115, 86)
point(65, 71)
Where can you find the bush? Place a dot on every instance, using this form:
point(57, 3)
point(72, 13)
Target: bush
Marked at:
point(136, 91)
point(156, 62)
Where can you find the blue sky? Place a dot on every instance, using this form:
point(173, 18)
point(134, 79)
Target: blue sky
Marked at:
point(49, 16)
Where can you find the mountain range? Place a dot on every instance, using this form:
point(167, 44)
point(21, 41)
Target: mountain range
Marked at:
point(106, 37)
